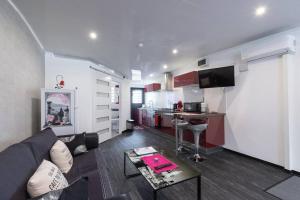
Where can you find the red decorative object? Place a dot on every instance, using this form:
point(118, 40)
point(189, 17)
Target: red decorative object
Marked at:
point(157, 160)
point(179, 105)
point(190, 78)
point(152, 87)
point(62, 83)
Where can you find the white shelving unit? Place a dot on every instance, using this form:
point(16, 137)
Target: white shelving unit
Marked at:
point(115, 108)
point(101, 106)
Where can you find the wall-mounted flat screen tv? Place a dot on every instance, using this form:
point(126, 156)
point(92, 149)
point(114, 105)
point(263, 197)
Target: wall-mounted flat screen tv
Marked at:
point(217, 77)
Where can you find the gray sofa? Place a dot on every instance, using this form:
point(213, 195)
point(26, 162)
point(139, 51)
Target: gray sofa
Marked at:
point(19, 161)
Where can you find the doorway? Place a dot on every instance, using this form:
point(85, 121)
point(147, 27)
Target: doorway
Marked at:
point(137, 99)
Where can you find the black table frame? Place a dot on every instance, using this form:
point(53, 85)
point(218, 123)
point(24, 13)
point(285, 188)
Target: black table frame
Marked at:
point(156, 190)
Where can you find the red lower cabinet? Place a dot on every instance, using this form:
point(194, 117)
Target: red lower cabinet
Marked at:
point(213, 136)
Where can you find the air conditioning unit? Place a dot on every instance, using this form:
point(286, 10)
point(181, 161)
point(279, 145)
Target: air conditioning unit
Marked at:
point(203, 62)
point(269, 47)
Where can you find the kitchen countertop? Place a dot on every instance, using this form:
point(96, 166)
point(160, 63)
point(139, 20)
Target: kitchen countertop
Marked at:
point(187, 114)
point(170, 112)
point(157, 109)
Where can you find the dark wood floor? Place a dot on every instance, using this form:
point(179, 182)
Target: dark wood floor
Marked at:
point(225, 175)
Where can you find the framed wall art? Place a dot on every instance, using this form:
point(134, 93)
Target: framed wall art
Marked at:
point(57, 110)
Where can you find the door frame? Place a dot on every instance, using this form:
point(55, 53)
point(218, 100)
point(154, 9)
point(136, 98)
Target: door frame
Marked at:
point(143, 97)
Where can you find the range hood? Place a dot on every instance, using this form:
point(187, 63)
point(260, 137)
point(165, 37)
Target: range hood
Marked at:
point(168, 81)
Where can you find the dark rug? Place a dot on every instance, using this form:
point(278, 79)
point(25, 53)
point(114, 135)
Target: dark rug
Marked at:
point(288, 189)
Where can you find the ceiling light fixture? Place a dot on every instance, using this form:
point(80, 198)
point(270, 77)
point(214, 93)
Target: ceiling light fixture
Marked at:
point(151, 75)
point(175, 51)
point(136, 75)
point(165, 66)
point(260, 11)
point(141, 44)
point(93, 35)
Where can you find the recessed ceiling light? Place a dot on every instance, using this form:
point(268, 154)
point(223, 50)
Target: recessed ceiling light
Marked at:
point(175, 51)
point(165, 66)
point(108, 78)
point(260, 11)
point(93, 35)
point(151, 75)
point(141, 44)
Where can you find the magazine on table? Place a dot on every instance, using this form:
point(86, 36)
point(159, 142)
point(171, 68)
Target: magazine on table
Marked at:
point(144, 151)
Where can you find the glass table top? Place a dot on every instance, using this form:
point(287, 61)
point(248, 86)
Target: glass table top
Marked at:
point(183, 172)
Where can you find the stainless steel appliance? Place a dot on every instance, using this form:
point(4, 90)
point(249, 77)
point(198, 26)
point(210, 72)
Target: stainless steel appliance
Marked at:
point(192, 107)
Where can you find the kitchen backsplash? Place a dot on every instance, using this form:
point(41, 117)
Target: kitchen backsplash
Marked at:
point(166, 99)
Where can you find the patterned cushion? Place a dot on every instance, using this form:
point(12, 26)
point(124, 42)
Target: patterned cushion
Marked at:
point(46, 178)
point(76, 191)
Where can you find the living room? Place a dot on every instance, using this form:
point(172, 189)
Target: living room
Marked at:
point(179, 99)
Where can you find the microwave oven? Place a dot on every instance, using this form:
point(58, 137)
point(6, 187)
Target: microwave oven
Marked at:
point(192, 107)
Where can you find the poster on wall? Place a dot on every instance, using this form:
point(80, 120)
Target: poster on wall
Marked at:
point(58, 110)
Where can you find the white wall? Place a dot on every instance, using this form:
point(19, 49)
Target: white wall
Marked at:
point(254, 112)
point(295, 108)
point(77, 74)
point(21, 77)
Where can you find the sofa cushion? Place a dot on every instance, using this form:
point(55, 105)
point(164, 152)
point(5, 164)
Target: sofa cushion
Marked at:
point(82, 165)
point(78, 140)
point(61, 156)
point(17, 164)
point(76, 191)
point(81, 149)
point(91, 140)
point(41, 144)
point(46, 178)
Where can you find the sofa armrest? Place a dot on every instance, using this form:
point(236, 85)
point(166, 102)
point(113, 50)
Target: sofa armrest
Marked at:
point(91, 140)
point(120, 197)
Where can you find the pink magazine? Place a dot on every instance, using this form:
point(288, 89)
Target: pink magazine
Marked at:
point(152, 162)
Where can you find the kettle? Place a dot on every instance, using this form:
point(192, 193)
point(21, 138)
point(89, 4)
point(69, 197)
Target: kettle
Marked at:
point(204, 107)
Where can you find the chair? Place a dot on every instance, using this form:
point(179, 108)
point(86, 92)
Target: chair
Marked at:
point(180, 125)
point(197, 130)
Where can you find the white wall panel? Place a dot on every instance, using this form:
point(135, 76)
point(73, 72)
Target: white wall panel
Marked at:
point(254, 112)
point(22, 73)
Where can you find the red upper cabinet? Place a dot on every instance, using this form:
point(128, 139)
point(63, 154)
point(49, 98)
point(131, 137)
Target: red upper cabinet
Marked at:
point(190, 78)
point(152, 87)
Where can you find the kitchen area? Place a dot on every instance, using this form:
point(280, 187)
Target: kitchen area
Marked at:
point(180, 98)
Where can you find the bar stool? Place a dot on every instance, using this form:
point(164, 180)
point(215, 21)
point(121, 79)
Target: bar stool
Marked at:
point(197, 130)
point(180, 125)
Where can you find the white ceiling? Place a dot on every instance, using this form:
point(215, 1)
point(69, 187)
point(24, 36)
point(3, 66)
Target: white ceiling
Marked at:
point(195, 27)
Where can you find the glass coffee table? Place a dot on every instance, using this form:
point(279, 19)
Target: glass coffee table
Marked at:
point(182, 173)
